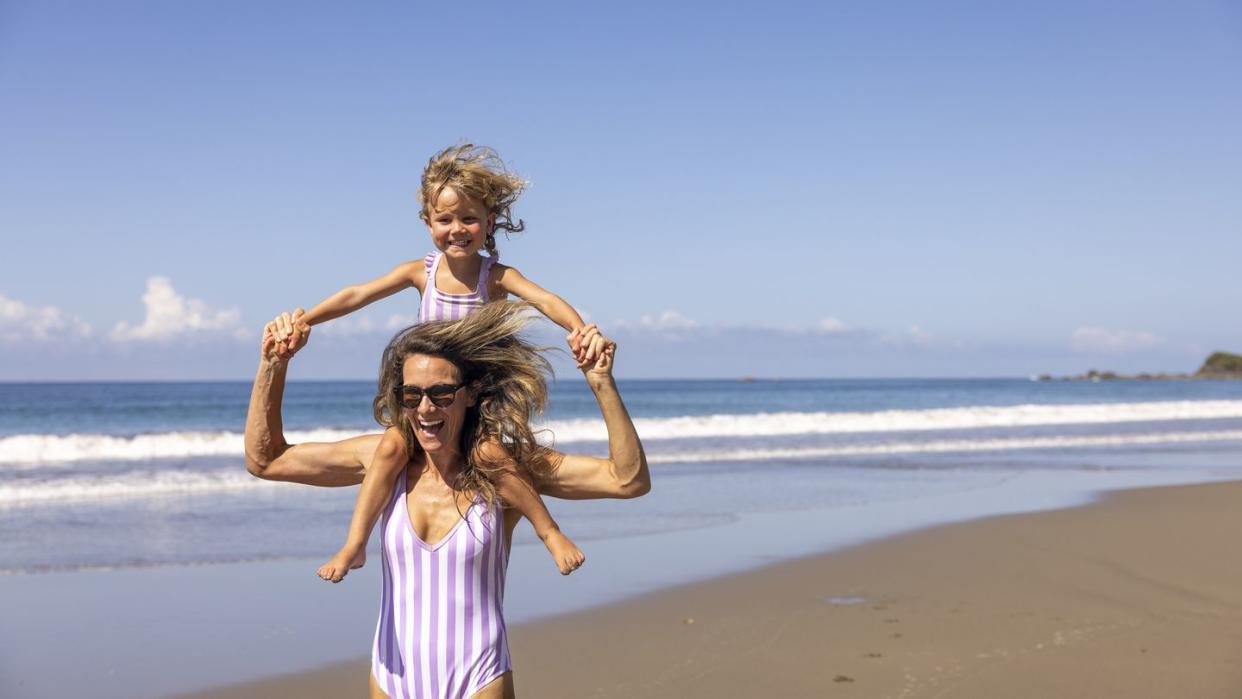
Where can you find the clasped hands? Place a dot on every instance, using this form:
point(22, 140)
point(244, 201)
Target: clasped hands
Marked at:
point(285, 334)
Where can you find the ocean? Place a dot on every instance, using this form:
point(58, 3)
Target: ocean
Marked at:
point(124, 475)
point(130, 530)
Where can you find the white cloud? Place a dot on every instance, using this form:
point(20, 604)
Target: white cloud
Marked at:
point(20, 322)
point(914, 337)
point(399, 322)
point(366, 325)
point(169, 314)
point(831, 326)
point(920, 337)
point(672, 324)
point(1106, 341)
point(665, 320)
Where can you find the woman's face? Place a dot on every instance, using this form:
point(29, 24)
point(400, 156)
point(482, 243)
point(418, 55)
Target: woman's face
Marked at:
point(427, 381)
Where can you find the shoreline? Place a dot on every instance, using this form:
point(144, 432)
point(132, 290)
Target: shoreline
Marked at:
point(213, 625)
point(1134, 594)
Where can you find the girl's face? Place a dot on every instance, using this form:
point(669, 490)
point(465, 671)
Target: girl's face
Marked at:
point(426, 382)
point(459, 224)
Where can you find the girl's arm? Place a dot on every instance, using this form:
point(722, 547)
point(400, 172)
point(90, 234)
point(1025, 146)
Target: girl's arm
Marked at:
point(586, 346)
point(517, 490)
point(269, 456)
point(624, 473)
point(554, 307)
point(351, 298)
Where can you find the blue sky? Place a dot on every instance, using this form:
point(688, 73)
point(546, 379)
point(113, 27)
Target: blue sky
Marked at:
point(797, 189)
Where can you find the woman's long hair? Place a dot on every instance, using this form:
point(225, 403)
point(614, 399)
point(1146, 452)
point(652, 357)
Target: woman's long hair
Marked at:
point(507, 373)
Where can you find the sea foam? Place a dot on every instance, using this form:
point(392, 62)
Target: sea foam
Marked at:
point(36, 449)
point(146, 482)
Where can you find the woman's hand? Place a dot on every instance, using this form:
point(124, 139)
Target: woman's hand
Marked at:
point(284, 336)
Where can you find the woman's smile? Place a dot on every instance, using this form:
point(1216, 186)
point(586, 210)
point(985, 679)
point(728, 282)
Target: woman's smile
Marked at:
point(429, 429)
point(435, 426)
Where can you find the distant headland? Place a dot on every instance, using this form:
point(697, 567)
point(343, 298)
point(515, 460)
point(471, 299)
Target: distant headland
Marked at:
point(1218, 365)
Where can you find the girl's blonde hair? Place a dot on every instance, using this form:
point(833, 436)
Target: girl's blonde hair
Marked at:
point(479, 173)
point(507, 373)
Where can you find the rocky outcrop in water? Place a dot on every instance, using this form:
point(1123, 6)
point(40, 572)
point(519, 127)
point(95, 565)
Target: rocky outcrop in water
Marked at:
point(1218, 366)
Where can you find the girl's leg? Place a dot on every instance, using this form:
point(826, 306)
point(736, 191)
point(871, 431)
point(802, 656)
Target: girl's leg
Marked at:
point(377, 485)
point(517, 490)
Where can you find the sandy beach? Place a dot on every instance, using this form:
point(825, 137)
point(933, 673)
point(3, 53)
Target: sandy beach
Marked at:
point(1137, 595)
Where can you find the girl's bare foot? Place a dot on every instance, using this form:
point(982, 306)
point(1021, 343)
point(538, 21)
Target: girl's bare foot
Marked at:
point(568, 557)
point(340, 564)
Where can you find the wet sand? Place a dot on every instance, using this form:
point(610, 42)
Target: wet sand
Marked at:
point(1138, 595)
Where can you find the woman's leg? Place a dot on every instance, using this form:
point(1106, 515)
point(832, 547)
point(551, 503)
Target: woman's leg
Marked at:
point(499, 688)
point(376, 692)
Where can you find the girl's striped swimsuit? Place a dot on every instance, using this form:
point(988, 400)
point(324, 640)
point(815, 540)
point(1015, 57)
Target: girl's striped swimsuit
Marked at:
point(441, 631)
point(437, 305)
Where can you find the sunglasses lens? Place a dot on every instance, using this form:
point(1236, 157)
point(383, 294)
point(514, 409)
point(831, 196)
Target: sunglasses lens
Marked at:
point(440, 396)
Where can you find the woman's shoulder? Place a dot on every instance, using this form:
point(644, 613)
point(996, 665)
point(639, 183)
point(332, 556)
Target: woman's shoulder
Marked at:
point(392, 443)
point(490, 451)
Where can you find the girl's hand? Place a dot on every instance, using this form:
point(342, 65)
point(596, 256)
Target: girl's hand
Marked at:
point(577, 344)
point(289, 329)
point(600, 368)
point(587, 344)
point(284, 336)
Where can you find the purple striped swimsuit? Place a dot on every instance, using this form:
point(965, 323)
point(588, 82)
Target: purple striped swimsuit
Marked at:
point(441, 632)
point(437, 305)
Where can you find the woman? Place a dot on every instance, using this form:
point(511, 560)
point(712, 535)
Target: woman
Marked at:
point(463, 391)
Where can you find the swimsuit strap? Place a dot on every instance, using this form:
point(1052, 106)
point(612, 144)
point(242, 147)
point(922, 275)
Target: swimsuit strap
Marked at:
point(485, 269)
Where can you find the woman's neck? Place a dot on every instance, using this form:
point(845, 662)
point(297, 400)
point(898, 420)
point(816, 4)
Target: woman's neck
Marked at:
point(446, 464)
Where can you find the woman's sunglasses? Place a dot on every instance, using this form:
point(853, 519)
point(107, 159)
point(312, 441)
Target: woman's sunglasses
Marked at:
point(441, 395)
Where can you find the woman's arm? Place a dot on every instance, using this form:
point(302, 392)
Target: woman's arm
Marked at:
point(351, 298)
point(269, 456)
point(624, 474)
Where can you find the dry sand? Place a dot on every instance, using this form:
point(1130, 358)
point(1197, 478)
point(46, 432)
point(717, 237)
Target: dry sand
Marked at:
point(1139, 595)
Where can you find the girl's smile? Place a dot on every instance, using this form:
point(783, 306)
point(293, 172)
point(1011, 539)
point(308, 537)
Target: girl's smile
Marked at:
point(459, 224)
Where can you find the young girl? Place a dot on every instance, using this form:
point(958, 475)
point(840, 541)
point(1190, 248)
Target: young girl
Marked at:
point(466, 194)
